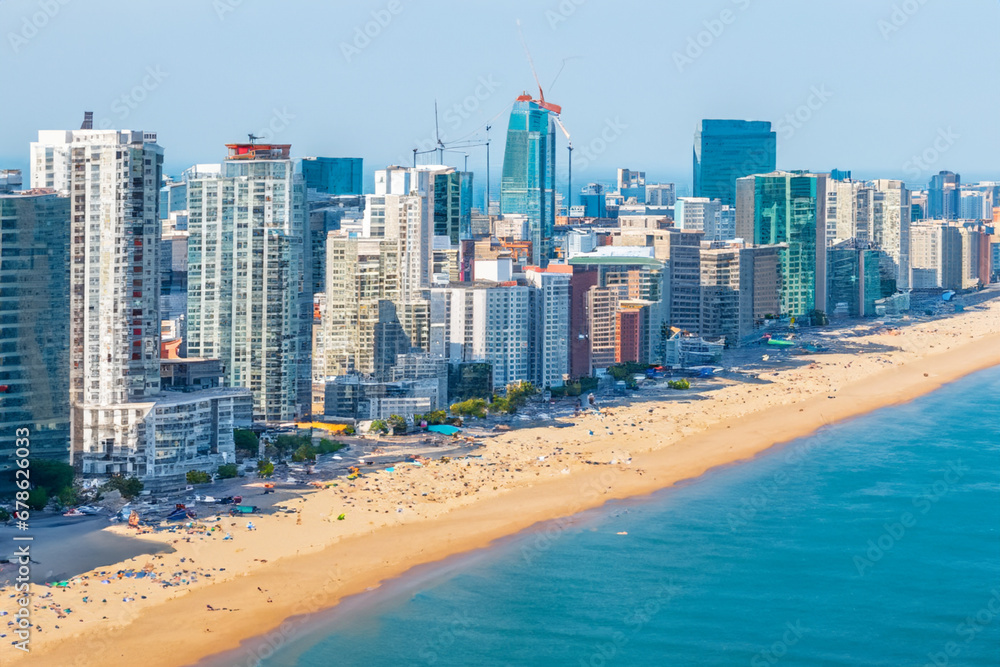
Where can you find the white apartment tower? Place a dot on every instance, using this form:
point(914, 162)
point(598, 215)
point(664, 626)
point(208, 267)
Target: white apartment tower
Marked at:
point(249, 292)
point(113, 180)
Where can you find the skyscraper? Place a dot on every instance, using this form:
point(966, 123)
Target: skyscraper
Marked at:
point(725, 150)
point(333, 175)
point(789, 209)
point(34, 325)
point(249, 295)
point(114, 178)
point(527, 183)
point(943, 196)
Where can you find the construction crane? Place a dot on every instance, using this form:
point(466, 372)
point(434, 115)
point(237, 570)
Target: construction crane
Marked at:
point(554, 109)
point(440, 147)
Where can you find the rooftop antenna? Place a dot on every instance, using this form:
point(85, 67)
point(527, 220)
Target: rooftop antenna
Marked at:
point(437, 135)
point(252, 138)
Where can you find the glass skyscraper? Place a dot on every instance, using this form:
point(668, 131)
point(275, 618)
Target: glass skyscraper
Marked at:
point(788, 209)
point(34, 326)
point(333, 175)
point(943, 196)
point(725, 150)
point(527, 185)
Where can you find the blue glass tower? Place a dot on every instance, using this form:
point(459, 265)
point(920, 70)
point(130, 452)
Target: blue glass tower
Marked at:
point(34, 327)
point(527, 184)
point(333, 175)
point(725, 150)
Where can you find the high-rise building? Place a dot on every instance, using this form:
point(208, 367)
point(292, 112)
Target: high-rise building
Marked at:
point(34, 326)
point(661, 194)
point(855, 280)
point(632, 186)
point(935, 255)
point(789, 209)
point(943, 195)
point(740, 287)
point(10, 180)
point(725, 150)
point(120, 422)
point(249, 288)
point(841, 210)
point(883, 213)
point(550, 324)
point(698, 214)
point(333, 175)
point(594, 201)
point(527, 184)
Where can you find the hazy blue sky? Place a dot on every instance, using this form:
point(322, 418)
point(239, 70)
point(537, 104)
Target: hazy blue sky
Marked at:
point(886, 78)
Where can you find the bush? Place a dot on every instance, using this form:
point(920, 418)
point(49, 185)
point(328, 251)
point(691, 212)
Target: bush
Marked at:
point(198, 477)
point(265, 468)
point(349, 430)
point(502, 405)
point(228, 471)
point(68, 496)
point(397, 423)
point(474, 407)
point(38, 498)
point(679, 384)
point(4, 515)
point(289, 443)
point(378, 426)
point(129, 487)
point(329, 446)
point(304, 453)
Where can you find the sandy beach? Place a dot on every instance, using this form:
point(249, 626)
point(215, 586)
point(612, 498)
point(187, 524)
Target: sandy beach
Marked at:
point(227, 586)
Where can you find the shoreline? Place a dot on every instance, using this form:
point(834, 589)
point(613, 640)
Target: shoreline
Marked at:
point(361, 560)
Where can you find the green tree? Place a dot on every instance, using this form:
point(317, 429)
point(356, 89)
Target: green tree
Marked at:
point(129, 487)
point(198, 477)
point(397, 423)
point(68, 496)
point(683, 383)
point(501, 405)
point(4, 515)
point(289, 443)
point(304, 453)
point(247, 443)
point(228, 471)
point(265, 468)
point(349, 430)
point(38, 498)
point(474, 407)
point(53, 476)
point(378, 426)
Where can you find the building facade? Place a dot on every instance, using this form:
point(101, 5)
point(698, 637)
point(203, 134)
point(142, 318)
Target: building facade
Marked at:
point(725, 150)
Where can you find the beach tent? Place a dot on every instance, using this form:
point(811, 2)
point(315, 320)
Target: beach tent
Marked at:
point(444, 429)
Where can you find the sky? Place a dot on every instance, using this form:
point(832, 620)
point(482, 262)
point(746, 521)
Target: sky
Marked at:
point(885, 88)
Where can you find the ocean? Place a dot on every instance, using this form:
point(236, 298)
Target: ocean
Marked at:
point(875, 541)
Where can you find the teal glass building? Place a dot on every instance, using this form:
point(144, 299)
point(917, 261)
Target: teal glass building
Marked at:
point(333, 175)
point(855, 279)
point(788, 209)
point(34, 326)
point(725, 150)
point(527, 184)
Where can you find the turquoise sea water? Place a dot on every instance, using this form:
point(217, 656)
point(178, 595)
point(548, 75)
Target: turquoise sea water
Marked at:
point(874, 542)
